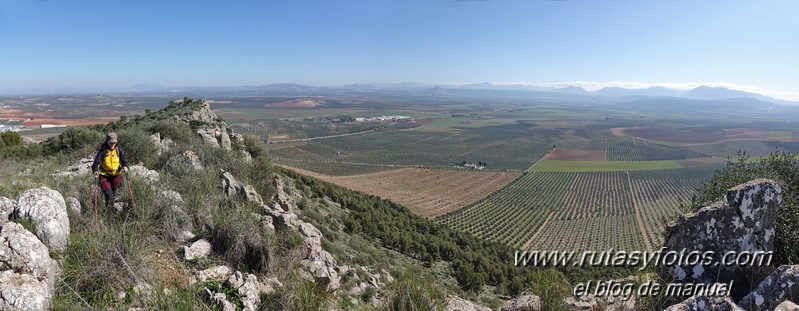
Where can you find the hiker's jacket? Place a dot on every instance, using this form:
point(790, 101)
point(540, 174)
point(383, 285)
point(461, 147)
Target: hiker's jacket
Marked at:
point(109, 162)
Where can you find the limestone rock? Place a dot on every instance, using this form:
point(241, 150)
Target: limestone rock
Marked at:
point(787, 306)
point(208, 136)
point(189, 158)
point(218, 273)
point(744, 220)
point(7, 207)
point(318, 263)
point(283, 200)
point(587, 302)
point(781, 285)
point(27, 273)
point(526, 301)
point(163, 144)
point(219, 300)
point(224, 140)
point(149, 176)
point(232, 187)
point(455, 303)
point(79, 168)
point(249, 289)
point(199, 249)
point(74, 205)
point(702, 303)
point(47, 209)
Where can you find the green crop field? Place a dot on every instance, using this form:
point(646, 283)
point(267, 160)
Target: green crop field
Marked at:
point(502, 147)
point(602, 166)
point(631, 149)
point(512, 214)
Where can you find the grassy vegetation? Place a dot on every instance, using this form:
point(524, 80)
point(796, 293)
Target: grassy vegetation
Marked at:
point(602, 166)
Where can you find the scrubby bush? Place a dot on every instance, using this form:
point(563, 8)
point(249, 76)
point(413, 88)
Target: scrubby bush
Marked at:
point(241, 238)
point(178, 132)
point(779, 166)
point(413, 291)
point(74, 138)
point(137, 146)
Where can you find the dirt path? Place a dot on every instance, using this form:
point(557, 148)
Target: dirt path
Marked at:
point(638, 218)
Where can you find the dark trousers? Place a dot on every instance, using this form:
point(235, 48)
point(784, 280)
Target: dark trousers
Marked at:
point(110, 184)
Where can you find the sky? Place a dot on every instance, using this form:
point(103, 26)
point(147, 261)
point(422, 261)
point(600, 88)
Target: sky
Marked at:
point(81, 44)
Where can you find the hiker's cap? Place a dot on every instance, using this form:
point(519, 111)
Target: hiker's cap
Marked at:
point(111, 137)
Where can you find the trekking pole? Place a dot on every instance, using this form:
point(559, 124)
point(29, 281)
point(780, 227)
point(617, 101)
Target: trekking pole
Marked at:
point(132, 200)
point(96, 198)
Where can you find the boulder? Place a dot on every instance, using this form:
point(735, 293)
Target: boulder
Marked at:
point(249, 289)
point(526, 302)
point(743, 221)
point(208, 136)
point(781, 285)
point(162, 144)
point(199, 249)
point(233, 188)
point(47, 209)
point(224, 140)
point(787, 306)
point(150, 177)
point(219, 300)
point(283, 200)
point(73, 204)
point(79, 168)
point(318, 263)
point(455, 303)
point(27, 273)
point(702, 303)
point(587, 302)
point(218, 273)
point(189, 158)
point(7, 207)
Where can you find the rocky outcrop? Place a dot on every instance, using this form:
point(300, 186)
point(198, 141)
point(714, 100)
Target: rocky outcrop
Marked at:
point(787, 306)
point(189, 158)
point(702, 303)
point(80, 168)
point(219, 300)
point(73, 204)
point(455, 303)
point(249, 289)
point(319, 265)
point(781, 285)
point(199, 249)
point(743, 221)
point(525, 302)
point(233, 188)
point(181, 232)
point(150, 177)
point(47, 209)
point(218, 273)
point(27, 273)
point(7, 207)
point(282, 198)
point(162, 144)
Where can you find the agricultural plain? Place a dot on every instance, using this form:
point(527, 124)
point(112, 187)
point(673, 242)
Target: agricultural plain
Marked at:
point(548, 172)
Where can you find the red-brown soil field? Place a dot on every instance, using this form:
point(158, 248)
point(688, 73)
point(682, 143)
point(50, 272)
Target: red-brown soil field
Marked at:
point(426, 192)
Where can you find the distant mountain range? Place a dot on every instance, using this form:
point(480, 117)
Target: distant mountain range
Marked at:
point(444, 90)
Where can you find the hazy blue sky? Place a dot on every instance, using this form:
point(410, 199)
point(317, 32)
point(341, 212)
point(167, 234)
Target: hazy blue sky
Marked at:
point(107, 44)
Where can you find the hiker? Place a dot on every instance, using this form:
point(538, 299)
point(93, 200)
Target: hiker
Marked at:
point(109, 164)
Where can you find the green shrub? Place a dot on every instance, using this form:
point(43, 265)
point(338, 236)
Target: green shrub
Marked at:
point(178, 132)
point(779, 166)
point(72, 139)
point(11, 138)
point(137, 146)
point(412, 291)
